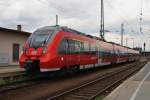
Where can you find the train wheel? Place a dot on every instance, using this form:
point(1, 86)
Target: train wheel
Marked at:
point(74, 69)
point(63, 71)
point(77, 68)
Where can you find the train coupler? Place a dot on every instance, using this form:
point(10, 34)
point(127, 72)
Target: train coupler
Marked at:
point(32, 67)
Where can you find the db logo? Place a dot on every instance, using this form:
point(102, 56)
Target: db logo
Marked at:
point(33, 52)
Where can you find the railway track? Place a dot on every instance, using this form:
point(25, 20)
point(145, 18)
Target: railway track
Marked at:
point(16, 85)
point(27, 83)
point(92, 89)
point(16, 81)
point(20, 80)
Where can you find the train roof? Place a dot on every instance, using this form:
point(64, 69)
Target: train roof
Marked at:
point(90, 36)
point(49, 28)
point(66, 29)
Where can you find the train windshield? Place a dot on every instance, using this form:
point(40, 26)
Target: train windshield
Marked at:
point(40, 38)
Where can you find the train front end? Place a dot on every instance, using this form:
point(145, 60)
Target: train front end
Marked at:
point(35, 51)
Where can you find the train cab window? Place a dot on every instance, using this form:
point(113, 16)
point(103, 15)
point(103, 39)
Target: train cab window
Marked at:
point(40, 38)
point(63, 47)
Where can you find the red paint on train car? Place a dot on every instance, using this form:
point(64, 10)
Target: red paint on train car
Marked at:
point(55, 48)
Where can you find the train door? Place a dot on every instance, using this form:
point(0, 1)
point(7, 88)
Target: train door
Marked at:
point(71, 51)
point(114, 55)
point(118, 56)
point(67, 52)
point(78, 50)
point(63, 52)
point(67, 60)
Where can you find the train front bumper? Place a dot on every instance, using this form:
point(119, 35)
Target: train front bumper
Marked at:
point(32, 66)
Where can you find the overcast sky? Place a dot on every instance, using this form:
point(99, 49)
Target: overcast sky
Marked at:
point(82, 15)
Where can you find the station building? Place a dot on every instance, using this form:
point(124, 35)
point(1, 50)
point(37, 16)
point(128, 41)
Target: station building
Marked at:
point(11, 43)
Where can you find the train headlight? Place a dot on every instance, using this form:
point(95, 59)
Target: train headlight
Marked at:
point(44, 50)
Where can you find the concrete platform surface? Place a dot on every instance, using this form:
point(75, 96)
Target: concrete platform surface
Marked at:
point(135, 88)
point(9, 69)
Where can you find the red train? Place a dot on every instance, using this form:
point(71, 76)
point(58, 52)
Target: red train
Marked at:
point(54, 48)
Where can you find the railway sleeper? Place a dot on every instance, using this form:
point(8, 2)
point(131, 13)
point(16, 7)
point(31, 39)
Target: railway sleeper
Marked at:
point(78, 97)
point(88, 92)
point(68, 98)
point(92, 89)
point(83, 94)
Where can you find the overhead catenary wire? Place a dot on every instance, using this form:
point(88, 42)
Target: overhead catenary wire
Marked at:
point(125, 21)
point(132, 30)
point(118, 13)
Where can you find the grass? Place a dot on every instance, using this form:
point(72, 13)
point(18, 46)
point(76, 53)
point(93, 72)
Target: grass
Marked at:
point(99, 98)
point(2, 82)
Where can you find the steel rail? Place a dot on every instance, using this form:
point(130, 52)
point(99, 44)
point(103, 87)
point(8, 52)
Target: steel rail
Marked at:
point(71, 91)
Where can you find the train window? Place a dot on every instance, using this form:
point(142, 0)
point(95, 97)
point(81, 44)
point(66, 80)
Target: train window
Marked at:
point(44, 32)
point(89, 47)
point(77, 47)
point(82, 47)
point(112, 52)
point(40, 38)
point(106, 53)
point(118, 53)
point(86, 47)
point(93, 49)
point(96, 50)
point(71, 46)
point(63, 48)
point(101, 52)
point(122, 53)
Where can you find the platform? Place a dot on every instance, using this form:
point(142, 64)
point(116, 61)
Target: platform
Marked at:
point(135, 88)
point(6, 70)
point(10, 74)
